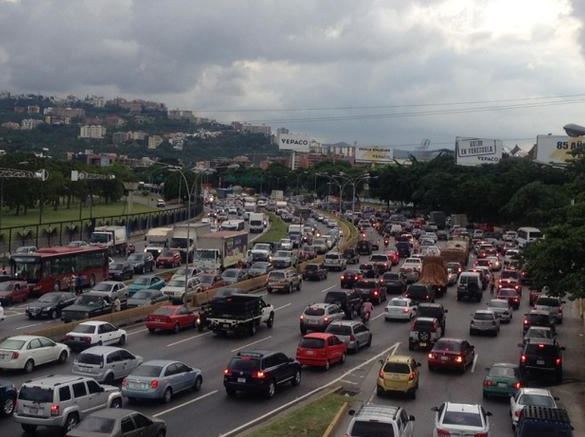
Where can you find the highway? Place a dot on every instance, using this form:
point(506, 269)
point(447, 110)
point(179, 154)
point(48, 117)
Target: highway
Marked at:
point(211, 412)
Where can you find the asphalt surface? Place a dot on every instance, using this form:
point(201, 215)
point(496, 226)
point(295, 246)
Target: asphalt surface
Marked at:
point(211, 412)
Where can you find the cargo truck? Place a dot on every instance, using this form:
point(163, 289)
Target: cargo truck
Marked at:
point(258, 222)
point(186, 246)
point(218, 251)
point(238, 313)
point(113, 238)
point(435, 274)
point(157, 239)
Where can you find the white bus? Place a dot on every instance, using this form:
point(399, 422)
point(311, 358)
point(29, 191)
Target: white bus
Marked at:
point(527, 235)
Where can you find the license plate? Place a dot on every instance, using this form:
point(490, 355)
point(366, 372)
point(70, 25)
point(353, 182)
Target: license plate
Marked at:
point(422, 344)
point(33, 411)
point(502, 384)
point(242, 380)
point(540, 362)
point(310, 352)
point(444, 358)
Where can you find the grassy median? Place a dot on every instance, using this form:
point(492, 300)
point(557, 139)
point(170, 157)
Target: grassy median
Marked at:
point(310, 420)
point(278, 229)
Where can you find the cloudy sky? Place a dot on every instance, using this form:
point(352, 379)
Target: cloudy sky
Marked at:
point(372, 71)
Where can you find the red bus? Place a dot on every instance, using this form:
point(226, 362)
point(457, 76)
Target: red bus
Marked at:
point(51, 269)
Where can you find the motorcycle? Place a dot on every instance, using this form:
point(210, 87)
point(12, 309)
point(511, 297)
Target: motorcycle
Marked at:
point(386, 243)
point(365, 317)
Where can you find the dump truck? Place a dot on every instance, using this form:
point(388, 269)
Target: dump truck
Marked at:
point(434, 273)
point(114, 238)
point(157, 239)
point(456, 251)
point(184, 238)
point(218, 251)
point(238, 313)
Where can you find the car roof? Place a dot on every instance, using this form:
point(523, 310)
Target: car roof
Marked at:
point(100, 350)
point(112, 413)
point(161, 363)
point(319, 335)
point(398, 358)
point(345, 322)
point(51, 380)
point(319, 305)
point(504, 365)
point(430, 305)
point(498, 301)
point(425, 319)
point(24, 337)
point(484, 312)
point(538, 313)
point(464, 408)
point(536, 391)
point(94, 323)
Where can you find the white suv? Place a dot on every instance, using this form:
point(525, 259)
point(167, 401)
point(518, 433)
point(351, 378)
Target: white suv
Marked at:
point(335, 260)
point(380, 420)
point(463, 419)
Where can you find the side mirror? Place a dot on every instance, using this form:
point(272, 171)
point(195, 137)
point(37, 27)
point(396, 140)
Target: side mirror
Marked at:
point(435, 409)
point(489, 414)
point(351, 412)
point(556, 398)
point(381, 362)
point(446, 311)
point(563, 348)
point(418, 364)
point(411, 418)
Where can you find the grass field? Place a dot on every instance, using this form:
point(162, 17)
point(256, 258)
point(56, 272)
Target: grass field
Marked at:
point(50, 215)
point(309, 421)
point(278, 230)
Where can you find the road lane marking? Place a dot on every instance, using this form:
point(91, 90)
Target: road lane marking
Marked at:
point(282, 307)
point(27, 326)
point(189, 339)
point(474, 362)
point(328, 288)
point(13, 314)
point(251, 344)
point(379, 315)
point(138, 331)
point(184, 404)
point(393, 348)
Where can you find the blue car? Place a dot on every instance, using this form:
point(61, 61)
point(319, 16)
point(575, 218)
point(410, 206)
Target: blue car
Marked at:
point(161, 380)
point(150, 282)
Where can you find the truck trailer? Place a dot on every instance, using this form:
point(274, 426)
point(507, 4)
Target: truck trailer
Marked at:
point(114, 238)
point(218, 251)
point(184, 238)
point(157, 239)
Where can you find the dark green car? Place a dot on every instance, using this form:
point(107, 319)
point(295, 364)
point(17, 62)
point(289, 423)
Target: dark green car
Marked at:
point(502, 380)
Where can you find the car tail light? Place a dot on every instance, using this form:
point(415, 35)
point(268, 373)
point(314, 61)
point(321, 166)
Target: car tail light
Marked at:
point(517, 413)
point(443, 433)
point(381, 373)
point(411, 376)
point(558, 361)
point(54, 410)
point(488, 383)
point(375, 292)
point(432, 356)
point(480, 434)
point(15, 355)
point(125, 382)
point(351, 338)
point(405, 310)
point(326, 319)
point(154, 383)
point(517, 386)
point(526, 322)
point(342, 277)
point(522, 358)
point(302, 317)
point(258, 374)
point(458, 359)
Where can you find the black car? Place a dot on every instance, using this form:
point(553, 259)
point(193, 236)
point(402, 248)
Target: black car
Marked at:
point(120, 271)
point(543, 355)
point(260, 372)
point(368, 270)
point(50, 305)
point(364, 247)
point(371, 290)
point(349, 277)
point(435, 310)
point(393, 283)
point(8, 394)
point(86, 306)
point(351, 256)
point(403, 248)
point(314, 271)
point(141, 262)
point(546, 421)
point(420, 293)
point(350, 301)
point(538, 318)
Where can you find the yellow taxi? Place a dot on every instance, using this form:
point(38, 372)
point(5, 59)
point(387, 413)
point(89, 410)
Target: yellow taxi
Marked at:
point(398, 373)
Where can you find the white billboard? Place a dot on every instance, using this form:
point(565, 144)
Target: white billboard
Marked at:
point(294, 142)
point(477, 151)
point(374, 154)
point(557, 148)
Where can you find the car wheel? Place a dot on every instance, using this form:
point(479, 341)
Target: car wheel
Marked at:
point(342, 359)
point(8, 406)
point(71, 422)
point(116, 403)
point(252, 329)
point(53, 315)
point(151, 330)
point(379, 390)
point(29, 429)
point(369, 343)
point(270, 321)
point(327, 365)
point(63, 357)
point(471, 332)
point(297, 379)
point(57, 286)
point(413, 394)
point(197, 383)
point(122, 341)
point(29, 366)
point(271, 391)
point(167, 395)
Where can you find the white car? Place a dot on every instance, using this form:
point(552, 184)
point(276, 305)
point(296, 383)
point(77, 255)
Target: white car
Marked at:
point(180, 273)
point(28, 351)
point(411, 268)
point(430, 251)
point(461, 419)
point(510, 255)
point(285, 244)
point(530, 396)
point(495, 264)
point(400, 308)
point(510, 236)
point(502, 309)
point(2, 317)
point(176, 291)
point(95, 333)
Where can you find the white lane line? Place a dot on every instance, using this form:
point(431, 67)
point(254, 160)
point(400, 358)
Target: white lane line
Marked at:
point(282, 307)
point(394, 349)
point(184, 404)
point(251, 344)
point(14, 314)
point(312, 392)
point(328, 288)
point(378, 316)
point(27, 326)
point(345, 381)
point(188, 339)
point(138, 331)
point(474, 362)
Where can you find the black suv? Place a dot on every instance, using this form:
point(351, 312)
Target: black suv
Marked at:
point(435, 310)
point(393, 283)
point(363, 247)
point(371, 290)
point(545, 421)
point(314, 271)
point(419, 293)
point(350, 301)
point(351, 256)
point(260, 372)
point(543, 355)
point(403, 248)
point(350, 277)
point(538, 318)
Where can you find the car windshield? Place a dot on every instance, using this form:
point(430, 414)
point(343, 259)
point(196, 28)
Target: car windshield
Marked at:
point(116, 266)
point(467, 279)
point(88, 358)
point(540, 349)
point(49, 298)
point(312, 311)
point(398, 303)
point(537, 400)
point(548, 301)
point(167, 253)
point(483, 316)
point(450, 346)
point(12, 345)
point(88, 301)
point(259, 266)
point(177, 283)
point(282, 254)
point(424, 325)
point(396, 368)
point(506, 292)
point(539, 333)
point(244, 363)
point(339, 329)
point(102, 286)
point(372, 429)
point(391, 277)
point(312, 343)
point(35, 394)
point(164, 311)
point(147, 370)
point(230, 274)
point(538, 318)
point(206, 279)
point(142, 281)
point(84, 329)
point(97, 425)
point(462, 419)
point(6, 286)
point(276, 275)
point(501, 371)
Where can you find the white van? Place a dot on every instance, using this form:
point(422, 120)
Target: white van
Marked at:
point(527, 235)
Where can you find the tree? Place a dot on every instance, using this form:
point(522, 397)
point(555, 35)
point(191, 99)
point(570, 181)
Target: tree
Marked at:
point(535, 203)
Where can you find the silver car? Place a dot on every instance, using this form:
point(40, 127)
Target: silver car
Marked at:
point(119, 423)
point(502, 309)
point(161, 379)
point(352, 332)
point(318, 316)
point(105, 363)
point(484, 321)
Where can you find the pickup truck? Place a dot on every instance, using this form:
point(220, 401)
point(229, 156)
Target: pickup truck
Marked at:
point(237, 313)
point(284, 280)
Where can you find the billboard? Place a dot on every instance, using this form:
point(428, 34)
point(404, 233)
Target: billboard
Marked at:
point(374, 154)
point(477, 151)
point(294, 142)
point(557, 148)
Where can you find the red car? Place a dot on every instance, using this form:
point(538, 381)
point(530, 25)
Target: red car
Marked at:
point(171, 318)
point(13, 291)
point(533, 295)
point(394, 256)
point(321, 349)
point(451, 353)
point(169, 258)
point(511, 295)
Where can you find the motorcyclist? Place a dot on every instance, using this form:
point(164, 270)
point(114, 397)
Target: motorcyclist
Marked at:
point(366, 310)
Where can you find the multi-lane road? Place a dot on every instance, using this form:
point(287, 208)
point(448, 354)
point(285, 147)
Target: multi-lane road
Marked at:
point(211, 412)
